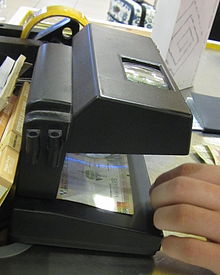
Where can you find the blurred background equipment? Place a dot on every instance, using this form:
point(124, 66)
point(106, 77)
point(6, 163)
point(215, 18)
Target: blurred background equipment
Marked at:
point(2, 10)
point(139, 13)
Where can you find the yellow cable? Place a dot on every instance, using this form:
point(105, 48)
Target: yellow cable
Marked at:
point(214, 45)
point(37, 16)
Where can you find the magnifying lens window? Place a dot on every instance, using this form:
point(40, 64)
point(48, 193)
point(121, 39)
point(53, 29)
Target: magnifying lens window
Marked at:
point(146, 74)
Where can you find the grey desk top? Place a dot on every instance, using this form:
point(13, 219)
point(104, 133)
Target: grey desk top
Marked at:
point(45, 260)
point(207, 77)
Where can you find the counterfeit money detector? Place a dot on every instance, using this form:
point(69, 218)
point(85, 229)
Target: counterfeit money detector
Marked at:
point(94, 109)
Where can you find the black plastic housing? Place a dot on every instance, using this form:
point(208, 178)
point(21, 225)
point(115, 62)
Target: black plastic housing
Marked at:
point(71, 224)
point(80, 102)
point(113, 114)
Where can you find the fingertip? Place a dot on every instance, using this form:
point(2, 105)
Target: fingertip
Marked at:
point(192, 251)
point(169, 246)
point(151, 189)
point(152, 198)
point(168, 242)
point(157, 219)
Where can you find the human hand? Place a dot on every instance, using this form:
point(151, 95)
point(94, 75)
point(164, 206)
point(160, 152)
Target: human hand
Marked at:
point(187, 199)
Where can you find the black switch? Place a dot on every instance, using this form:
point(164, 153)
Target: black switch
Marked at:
point(54, 147)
